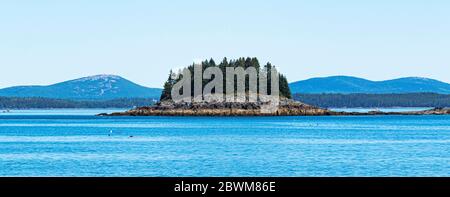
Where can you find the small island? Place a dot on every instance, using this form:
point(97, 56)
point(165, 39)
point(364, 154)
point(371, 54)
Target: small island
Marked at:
point(286, 106)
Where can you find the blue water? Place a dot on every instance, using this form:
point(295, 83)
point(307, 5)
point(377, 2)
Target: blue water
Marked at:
point(83, 145)
point(394, 109)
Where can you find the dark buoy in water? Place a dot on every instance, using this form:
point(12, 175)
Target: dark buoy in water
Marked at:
point(130, 136)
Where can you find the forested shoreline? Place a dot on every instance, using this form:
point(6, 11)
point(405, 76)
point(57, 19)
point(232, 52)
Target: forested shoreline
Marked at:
point(321, 100)
point(49, 103)
point(375, 100)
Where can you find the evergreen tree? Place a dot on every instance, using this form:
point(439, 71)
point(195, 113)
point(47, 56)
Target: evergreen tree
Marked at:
point(166, 93)
point(240, 62)
point(284, 87)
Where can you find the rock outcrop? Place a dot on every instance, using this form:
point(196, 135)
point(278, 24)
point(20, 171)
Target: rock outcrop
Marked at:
point(287, 107)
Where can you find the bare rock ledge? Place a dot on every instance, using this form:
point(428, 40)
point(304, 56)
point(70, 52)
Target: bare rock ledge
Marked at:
point(287, 107)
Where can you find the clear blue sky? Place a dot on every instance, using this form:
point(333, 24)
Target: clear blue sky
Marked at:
point(44, 42)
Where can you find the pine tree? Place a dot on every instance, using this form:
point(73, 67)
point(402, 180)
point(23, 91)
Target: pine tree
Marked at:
point(240, 62)
point(166, 93)
point(284, 87)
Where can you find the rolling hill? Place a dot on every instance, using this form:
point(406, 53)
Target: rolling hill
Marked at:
point(349, 85)
point(98, 87)
point(108, 87)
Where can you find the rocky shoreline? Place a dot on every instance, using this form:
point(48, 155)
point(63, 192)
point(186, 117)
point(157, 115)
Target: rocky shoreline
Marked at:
point(287, 107)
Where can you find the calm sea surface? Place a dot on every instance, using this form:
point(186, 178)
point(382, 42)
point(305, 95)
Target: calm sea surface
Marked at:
point(76, 143)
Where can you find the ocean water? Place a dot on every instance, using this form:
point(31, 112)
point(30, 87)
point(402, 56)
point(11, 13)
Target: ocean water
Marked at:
point(27, 112)
point(394, 109)
point(80, 144)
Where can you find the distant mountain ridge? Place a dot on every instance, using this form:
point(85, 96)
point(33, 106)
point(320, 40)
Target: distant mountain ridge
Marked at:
point(108, 87)
point(348, 85)
point(98, 87)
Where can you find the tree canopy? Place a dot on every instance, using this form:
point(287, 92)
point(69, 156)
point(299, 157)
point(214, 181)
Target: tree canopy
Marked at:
point(240, 62)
